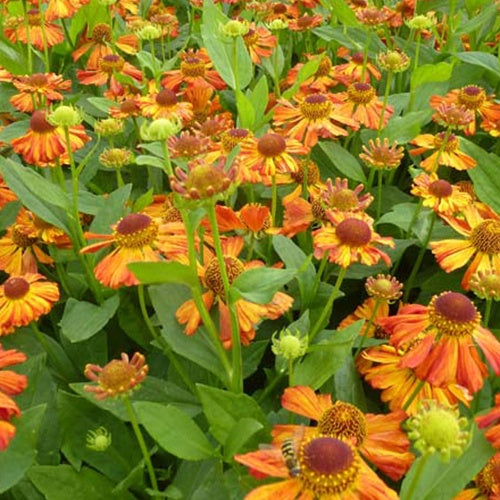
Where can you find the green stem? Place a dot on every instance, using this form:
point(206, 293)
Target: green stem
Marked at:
point(365, 54)
point(487, 311)
point(237, 380)
point(119, 177)
point(290, 372)
point(410, 400)
point(163, 343)
point(319, 273)
point(276, 76)
point(367, 327)
point(416, 477)
point(415, 66)
point(420, 256)
point(379, 192)
point(153, 56)
point(390, 76)
point(168, 165)
point(371, 177)
point(44, 41)
point(235, 64)
point(327, 310)
point(274, 199)
point(269, 388)
point(142, 444)
point(28, 38)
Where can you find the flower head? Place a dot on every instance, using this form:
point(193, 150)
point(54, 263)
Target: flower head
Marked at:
point(65, 116)
point(98, 439)
point(438, 429)
point(486, 284)
point(384, 287)
point(108, 127)
point(394, 61)
point(118, 377)
point(235, 28)
point(379, 154)
point(160, 129)
point(116, 157)
point(24, 299)
point(453, 117)
point(290, 345)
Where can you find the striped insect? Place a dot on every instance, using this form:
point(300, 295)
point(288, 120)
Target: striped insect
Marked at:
point(289, 452)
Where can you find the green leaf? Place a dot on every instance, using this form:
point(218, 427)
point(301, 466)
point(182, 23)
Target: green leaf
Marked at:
point(246, 113)
point(9, 213)
point(14, 130)
point(440, 481)
point(113, 208)
point(341, 10)
point(342, 160)
point(61, 482)
point(487, 61)
point(404, 128)
point(259, 284)
point(430, 73)
point(21, 452)
point(12, 58)
point(40, 196)
point(241, 432)
point(154, 273)
point(151, 160)
point(259, 97)
point(101, 103)
point(330, 356)
point(484, 174)
point(309, 69)
point(82, 320)
point(174, 430)
point(224, 410)
point(348, 385)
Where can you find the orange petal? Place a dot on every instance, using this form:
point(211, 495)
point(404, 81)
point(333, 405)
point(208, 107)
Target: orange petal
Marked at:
point(304, 401)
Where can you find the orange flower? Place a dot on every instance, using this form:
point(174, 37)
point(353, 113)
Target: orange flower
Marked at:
point(119, 377)
point(248, 313)
point(136, 240)
point(450, 155)
point(439, 194)
point(259, 42)
point(195, 70)
point(11, 383)
point(365, 311)
point(330, 468)
point(492, 433)
point(127, 108)
point(351, 71)
point(362, 104)
point(99, 45)
point(43, 143)
point(252, 218)
point(314, 116)
point(165, 104)
point(447, 331)
point(19, 248)
point(482, 231)
point(38, 91)
point(382, 154)
point(321, 81)
point(404, 387)
point(486, 483)
point(6, 195)
point(473, 98)
point(352, 239)
point(109, 66)
point(24, 299)
point(378, 438)
point(270, 154)
point(58, 9)
point(15, 30)
point(188, 146)
point(305, 22)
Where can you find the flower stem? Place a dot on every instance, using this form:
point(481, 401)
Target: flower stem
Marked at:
point(379, 191)
point(367, 327)
point(142, 444)
point(365, 55)
point(168, 165)
point(28, 38)
point(235, 64)
point(414, 394)
point(384, 104)
point(237, 379)
point(415, 66)
point(328, 306)
point(290, 372)
point(487, 311)
point(163, 343)
point(274, 199)
point(420, 257)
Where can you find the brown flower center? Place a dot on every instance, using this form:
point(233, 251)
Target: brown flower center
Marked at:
point(486, 237)
point(251, 38)
point(489, 477)
point(451, 145)
point(453, 314)
point(16, 288)
point(213, 277)
point(38, 80)
point(112, 63)
point(232, 138)
point(329, 466)
point(343, 420)
point(357, 58)
point(440, 188)
point(189, 146)
point(129, 106)
point(324, 68)
point(39, 124)
point(361, 93)
point(101, 33)
point(318, 210)
point(305, 22)
point(316, 107)
point(472, 97)
point(172, 215)
point(279, 8)
point(353, 232)
point(313, 175)
point(271, 145)
point(34, 17)
point(21, 237)
point(166, 97)
point(135, 231)
point(193, 67)
point(117, 376)
point(343, 199)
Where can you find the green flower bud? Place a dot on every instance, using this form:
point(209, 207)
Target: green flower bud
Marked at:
point(149, 32)
point(438, 429)
point(108, 127)
point(65, 116)
point(289, 345)
point(116, 157)
point(420, 23)
point(99, 439)
point(160, 129)
point(277, 25)
point(235, 28)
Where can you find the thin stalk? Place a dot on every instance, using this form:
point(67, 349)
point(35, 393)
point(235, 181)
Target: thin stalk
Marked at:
point(365, 55)
point(237, 362)
point(119, 177)
point(319, 273)
point(142, 444)
point(328, 306)
point(44, 41)
point(235, 64)
point(420, 257)
point(379, 191)
point(390, 76)
point(367, 327)
point(276, 76)
point(153, 56)
point(269, 388)
point(487, 311)
point(168, 165)
point(28, 38)
point(164, 344)
point(415, 66)
point(274, 199)
point(410, 400)
point(290, 372)
point(371, 177)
